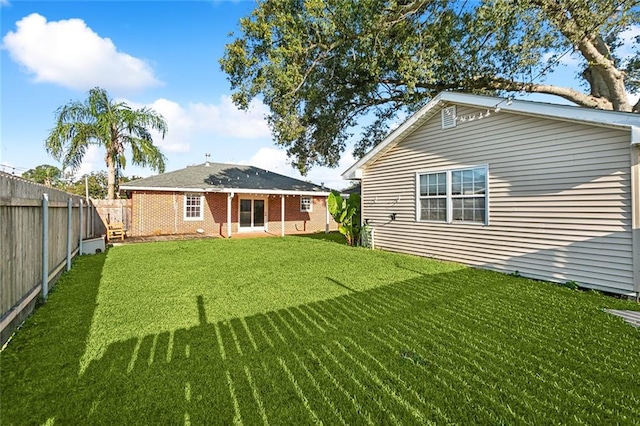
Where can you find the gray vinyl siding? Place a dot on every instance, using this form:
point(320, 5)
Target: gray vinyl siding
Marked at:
point(559, 198)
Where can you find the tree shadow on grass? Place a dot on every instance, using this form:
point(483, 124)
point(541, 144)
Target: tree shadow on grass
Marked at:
point(424, 349)
point(332, 237)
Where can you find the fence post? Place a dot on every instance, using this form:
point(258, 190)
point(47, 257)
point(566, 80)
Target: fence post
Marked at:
point(45, 245)
point(69, 210)
point(81, 229)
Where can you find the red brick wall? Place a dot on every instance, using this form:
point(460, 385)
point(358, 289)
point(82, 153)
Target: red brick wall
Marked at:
point(162, 213)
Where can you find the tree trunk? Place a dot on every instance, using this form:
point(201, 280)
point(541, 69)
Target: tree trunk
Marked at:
point(111, 177)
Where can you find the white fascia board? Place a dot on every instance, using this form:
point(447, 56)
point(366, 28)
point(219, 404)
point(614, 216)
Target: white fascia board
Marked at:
point(275, 192)
point(169, 188)
point(227, 190)
point(563, 112)
point(402, 131)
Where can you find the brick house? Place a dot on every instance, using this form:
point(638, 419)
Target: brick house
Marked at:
point(225, 199)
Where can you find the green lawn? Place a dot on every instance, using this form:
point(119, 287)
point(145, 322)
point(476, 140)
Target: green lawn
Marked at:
point(301, 330)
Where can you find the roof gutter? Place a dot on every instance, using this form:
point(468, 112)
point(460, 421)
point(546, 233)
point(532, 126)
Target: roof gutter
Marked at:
point(227, 190)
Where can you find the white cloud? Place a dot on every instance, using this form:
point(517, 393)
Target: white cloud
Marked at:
point(276, 160)
point(226, 120)
point(206, 122)
point(69, 53)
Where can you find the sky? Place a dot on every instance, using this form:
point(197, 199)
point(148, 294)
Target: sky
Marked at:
point(162, 54)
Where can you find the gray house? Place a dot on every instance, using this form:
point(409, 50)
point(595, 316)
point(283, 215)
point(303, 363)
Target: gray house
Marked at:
point(550, 191)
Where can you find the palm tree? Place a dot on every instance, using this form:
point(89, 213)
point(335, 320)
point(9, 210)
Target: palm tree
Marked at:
point(113, 125)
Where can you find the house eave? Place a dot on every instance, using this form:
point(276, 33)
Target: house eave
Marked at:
point(228, 190)
point(611, 119)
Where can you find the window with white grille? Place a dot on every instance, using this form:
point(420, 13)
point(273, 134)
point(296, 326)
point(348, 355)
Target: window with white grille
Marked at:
point(452, 196)
point(193, 206)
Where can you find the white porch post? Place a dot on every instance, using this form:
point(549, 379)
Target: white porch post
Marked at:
point(326, 219)
point(229, 198)
point(282, 215)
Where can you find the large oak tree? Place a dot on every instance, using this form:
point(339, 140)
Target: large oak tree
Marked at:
point(319, 65)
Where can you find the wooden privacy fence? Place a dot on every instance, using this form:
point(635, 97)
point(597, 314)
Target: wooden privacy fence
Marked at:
point(41, 231)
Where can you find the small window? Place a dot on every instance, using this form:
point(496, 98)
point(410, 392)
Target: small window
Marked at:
point(193, 204)
point(448, 117)
point(305, 204)
point(450, 196)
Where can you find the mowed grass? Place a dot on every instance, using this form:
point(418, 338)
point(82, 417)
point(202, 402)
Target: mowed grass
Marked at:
point(302, 330)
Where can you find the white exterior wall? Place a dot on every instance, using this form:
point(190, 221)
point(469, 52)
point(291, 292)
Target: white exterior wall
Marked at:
point(559, 198)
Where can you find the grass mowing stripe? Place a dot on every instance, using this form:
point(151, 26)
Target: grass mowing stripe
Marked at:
point(350, 305)
point(256, 396)
point(237, 418)
point(373, 394)
point(343, 307)
point(391, 392)
point(315, 384)
point(338, 385)
point(249, 334)
point(299, 391)
point(397, 377)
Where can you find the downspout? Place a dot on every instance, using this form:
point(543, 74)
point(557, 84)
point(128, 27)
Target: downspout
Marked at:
point(229, 198)
point(635, 216)
point(282, 215)
point(326, 216)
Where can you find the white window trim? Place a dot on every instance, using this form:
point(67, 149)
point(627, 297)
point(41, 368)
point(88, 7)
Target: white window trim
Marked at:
point(449, 197)
point(310, 209)
point(184, 205)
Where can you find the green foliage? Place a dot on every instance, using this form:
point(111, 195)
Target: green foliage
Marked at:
point(571, 285)
point(346, 212)
point(114, 126)
point(218, 331)
point(46, 175)
point(97, 183)
point(321, 66)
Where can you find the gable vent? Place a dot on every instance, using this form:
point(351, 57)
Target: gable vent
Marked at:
point(448, 117)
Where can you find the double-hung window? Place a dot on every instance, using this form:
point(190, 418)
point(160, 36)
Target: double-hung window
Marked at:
point(455, 195)
point(193, 206)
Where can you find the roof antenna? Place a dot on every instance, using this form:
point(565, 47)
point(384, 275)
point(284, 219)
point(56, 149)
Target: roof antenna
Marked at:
point(207, 157)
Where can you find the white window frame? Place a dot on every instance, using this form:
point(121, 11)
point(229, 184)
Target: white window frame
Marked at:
point(186, 197)
point(450, 197)
point(302, 206)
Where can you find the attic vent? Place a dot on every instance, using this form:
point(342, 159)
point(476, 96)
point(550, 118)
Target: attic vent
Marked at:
point(448, 117)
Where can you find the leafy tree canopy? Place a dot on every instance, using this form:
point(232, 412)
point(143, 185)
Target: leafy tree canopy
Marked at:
point(45, 174)
point(319, 65)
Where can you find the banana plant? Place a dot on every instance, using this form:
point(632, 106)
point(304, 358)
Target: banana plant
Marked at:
point(346, 212)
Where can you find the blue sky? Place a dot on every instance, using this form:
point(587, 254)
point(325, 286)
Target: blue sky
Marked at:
point(162, 54)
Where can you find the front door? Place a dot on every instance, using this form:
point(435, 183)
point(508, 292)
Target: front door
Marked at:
point(252, 215)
